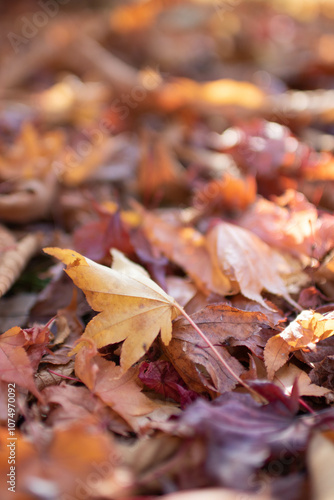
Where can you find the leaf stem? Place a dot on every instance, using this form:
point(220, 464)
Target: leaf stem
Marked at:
point(63, 376)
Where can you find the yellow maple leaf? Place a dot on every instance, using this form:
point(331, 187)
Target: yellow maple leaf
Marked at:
point(132, 308)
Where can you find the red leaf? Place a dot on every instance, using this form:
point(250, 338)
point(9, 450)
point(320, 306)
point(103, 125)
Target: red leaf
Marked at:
point(161, 377)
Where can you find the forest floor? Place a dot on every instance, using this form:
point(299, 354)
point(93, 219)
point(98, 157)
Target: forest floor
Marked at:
point(167, 250)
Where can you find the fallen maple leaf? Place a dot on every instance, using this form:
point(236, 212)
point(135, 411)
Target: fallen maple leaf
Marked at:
point(307, 329)
point(133, 307)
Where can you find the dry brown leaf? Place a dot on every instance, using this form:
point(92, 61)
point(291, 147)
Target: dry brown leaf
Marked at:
point(190, 355)
point(307, 329)
point(132, 307)
point(199, 367)
point(248, 262)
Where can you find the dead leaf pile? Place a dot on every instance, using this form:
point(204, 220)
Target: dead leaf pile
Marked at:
point(174, 160)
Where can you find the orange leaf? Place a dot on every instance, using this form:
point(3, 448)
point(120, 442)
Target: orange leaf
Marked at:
point(306, 330)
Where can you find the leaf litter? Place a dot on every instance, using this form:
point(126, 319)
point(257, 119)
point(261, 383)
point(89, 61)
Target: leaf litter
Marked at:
point(177, 158)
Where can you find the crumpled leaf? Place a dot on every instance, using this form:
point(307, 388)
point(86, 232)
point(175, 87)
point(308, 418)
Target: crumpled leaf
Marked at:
point(307, 329)
point(221, 322)
point(37, 339)
point(132, 307)
point(50, 375)
point(199, 367)
point(248, 262)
